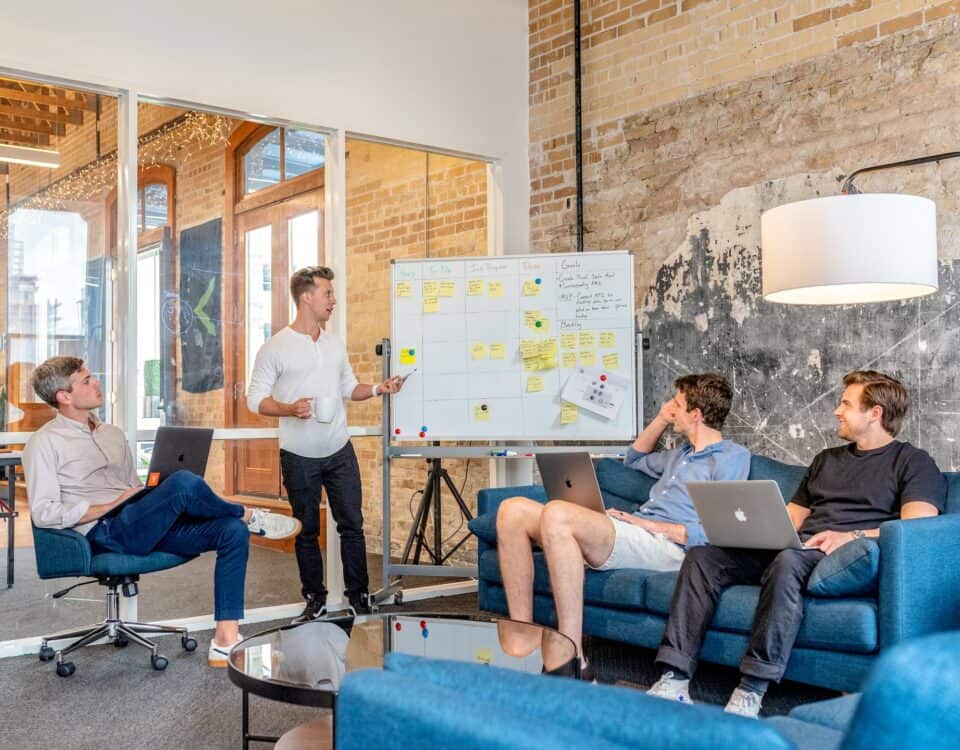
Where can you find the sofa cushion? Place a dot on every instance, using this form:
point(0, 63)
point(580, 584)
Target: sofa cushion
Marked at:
point(621, 589)
point(787, 476)
point(829, 624)
point(851, 570)
point(485, 527)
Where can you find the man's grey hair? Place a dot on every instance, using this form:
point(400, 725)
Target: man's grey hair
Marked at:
point(53, 376)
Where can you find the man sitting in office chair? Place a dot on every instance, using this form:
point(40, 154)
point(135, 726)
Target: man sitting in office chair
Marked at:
point(847, 492)
point(79, 469)
point(656, 537)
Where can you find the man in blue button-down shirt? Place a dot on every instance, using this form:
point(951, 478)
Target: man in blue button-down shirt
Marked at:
point(654, 538)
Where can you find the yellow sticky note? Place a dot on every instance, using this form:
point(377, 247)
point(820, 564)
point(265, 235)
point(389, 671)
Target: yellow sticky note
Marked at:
point(531, 289)
point(529, 348)
point(484, 655)
point(569, 360)
point(495, 288)
point(498, 351)
point(608, 339)
point(568, 341)
point(568, 413)
point(588, 357)
point(403, 289)
point(431, 288)
point(408, 357)
point(548, 348)
point(534, 384)
point(531, 364)
point(431, 304)
point(478, 351)
point(448, 288)
point(611, 361)
point(481, 413)
point(587, 340)
point(548, 362)
point(474, 287)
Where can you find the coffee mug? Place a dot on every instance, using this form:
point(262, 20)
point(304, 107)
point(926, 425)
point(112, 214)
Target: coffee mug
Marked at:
point(324, 408)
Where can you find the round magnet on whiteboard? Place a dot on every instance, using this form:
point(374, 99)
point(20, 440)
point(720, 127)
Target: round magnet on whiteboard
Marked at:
point(537, 281)
point(603, 377)
point(397, 431)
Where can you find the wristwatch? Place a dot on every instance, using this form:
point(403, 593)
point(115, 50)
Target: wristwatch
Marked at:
point(859, 533)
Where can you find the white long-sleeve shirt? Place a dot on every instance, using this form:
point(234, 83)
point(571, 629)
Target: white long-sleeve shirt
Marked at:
point(70, 467)
point(292, 366)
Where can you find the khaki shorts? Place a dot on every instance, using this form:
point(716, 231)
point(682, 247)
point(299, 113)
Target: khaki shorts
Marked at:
point(635, 547)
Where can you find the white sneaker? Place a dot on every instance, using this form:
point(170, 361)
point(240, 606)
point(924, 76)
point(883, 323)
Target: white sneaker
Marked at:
point(744, 703)
point(217, 655)
point(272, 525)
point(671, 688)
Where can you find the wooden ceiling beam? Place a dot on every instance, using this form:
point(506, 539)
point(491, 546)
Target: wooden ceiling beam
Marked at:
point(32, 126)
point(42, 115)
point(36, 95)
point(22, 139)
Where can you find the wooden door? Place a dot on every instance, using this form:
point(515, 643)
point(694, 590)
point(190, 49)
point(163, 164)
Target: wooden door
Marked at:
point(270, 243)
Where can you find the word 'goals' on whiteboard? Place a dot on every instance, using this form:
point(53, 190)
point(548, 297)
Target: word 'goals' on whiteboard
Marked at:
point(538, 347)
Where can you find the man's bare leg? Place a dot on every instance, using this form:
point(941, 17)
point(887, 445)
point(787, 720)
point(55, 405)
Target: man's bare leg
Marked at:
point(518, 528)
point(572, 535)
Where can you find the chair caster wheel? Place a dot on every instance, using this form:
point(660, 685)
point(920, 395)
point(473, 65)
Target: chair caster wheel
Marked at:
point(66, 668)
point(121, 641)
point(188, 643)
point(46, 653)
point(158, 662)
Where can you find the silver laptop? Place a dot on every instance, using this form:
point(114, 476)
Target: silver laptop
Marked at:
point(747, 513)
point(570, 477)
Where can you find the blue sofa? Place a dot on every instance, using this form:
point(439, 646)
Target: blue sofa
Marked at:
point(911, 700)
point(918, 591)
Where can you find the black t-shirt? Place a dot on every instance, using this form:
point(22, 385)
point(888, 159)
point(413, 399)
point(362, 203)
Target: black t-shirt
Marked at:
point(847, 489)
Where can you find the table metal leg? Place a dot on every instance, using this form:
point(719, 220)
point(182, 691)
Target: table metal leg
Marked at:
point(12, 505)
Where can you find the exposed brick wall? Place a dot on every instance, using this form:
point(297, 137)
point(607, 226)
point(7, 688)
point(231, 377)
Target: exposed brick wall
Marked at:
point(640, 55)
point(403, 204)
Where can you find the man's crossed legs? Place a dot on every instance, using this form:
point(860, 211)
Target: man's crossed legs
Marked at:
point(571, 536)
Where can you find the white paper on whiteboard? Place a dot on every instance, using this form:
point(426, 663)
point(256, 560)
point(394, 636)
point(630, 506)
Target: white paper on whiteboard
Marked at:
point(597, 391)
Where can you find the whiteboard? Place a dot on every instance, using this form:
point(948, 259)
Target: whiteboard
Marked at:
point(491, 343)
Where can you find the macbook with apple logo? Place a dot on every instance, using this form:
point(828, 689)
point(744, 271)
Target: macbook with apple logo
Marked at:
point(750, 514)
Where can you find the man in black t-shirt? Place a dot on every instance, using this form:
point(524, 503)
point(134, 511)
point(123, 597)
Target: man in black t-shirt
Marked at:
point(846, 494)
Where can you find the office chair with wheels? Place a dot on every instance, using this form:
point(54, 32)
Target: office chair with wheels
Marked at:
point(63, 553)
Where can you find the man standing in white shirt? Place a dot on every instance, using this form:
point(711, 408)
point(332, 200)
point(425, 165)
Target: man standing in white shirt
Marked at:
point(302, 376)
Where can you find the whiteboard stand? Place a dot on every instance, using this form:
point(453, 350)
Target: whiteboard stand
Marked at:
point(431, 499)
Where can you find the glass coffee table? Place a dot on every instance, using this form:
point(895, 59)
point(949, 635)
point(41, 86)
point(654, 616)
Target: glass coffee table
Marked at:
point(305, 663)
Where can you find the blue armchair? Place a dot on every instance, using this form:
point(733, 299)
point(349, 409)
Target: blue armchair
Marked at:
point(910, 700)
point(63, 553)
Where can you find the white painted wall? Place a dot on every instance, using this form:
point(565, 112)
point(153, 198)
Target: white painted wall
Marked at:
point(443, 73)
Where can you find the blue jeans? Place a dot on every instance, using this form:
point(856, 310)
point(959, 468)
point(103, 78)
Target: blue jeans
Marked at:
point(183, 516)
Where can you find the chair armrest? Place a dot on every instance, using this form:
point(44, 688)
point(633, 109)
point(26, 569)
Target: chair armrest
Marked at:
point(919, 577)
point(489, 499)
point(61, 553)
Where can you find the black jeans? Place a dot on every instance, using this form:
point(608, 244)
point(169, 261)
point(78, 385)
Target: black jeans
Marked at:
point(339, 475)
point(705, 572)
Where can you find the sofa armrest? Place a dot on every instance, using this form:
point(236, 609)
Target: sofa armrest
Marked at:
point(919, 578)
point(489, 499)
point(61, 553)
point(556, 706)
